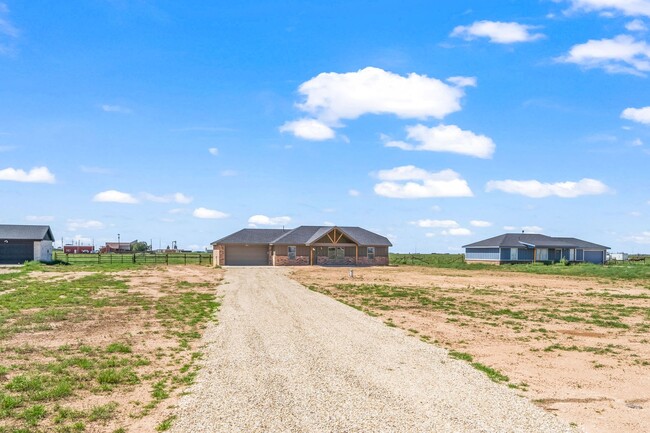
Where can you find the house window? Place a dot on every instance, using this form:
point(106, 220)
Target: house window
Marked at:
point(514, 254)
point(371, 253)
point(292, 253)
point(335, 253)
point(541, 254)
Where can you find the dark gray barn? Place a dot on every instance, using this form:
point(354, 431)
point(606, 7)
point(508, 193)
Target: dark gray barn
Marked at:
point(22, 243)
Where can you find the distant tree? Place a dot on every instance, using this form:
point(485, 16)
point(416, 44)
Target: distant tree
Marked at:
point(140, 246)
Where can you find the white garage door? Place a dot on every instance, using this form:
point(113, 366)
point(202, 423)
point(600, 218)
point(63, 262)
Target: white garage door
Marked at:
point(247, 255)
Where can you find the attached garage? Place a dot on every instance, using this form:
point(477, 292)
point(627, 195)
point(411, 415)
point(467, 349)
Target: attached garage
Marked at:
point(595, 257)
point(247, 255)
point(22, 243)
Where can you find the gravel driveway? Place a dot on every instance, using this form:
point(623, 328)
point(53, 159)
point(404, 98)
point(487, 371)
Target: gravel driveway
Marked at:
point(285, 359)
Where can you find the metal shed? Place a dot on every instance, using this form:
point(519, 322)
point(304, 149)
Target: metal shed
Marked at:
point(22, 243)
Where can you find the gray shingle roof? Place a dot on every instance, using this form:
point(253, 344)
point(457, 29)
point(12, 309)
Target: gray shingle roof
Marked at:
point(513, 240)
point(252, 236)
point(303, 235)
point(32, 233)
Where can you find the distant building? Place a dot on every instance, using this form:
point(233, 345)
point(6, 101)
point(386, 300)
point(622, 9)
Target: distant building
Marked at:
point(23, 243)
point(117, 247)
point(620, 257)
point(78, 249)
point(529, 248)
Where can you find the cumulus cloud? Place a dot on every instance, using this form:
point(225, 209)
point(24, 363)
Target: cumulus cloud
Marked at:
point(35, 175)
point(116, 109)
point(446, 138)
point(331, 97)
point(498, 32)
point(213, 151)
point(204, 213)
point(263, 220)
point(177, 197)
point(636, 26)
point(413, 182)
point(113, 196)
point(641, 115)
point(354, 193)
point(39, 218)
point(532, 229)
point(480, 223)
point(537, 189)
point(623, 55)
point(81, 224)
point(309, 129)
point(456, 232)
point(625, 7)
point(428, 223)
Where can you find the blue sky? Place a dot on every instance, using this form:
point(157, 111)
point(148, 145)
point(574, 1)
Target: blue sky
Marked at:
point(434, 123)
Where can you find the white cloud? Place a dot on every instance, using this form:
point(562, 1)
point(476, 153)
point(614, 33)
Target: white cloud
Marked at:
point(413, 182)
point(636, 26)
point(509, 228)
point(637, 142)
point(81, 240)
point(116, 109)
point(480, 223)
point(430, 235)
point(328, 223)
point(177, 197)
point(641, 115)
point(623, 54)
point(229, 173)
point(532, 229)
point(331, 97)
point(536, 189)
point(635, 214)
point(641, 238)
point(309, 129)
point(39, 218)
point(81, 224)
point(113, 196)
point(446, 138)
point(626, 7)
point(456, 232)
point(354, 193)
point(264, 220)
point(213, 151)
point(461, 81)
point(497, 32)
point(428, 223)
point(204, 213)
point(35, 175)
point(177, 210)
point(7, 30)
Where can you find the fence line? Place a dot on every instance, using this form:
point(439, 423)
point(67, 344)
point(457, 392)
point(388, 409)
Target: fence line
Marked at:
point(113, 258)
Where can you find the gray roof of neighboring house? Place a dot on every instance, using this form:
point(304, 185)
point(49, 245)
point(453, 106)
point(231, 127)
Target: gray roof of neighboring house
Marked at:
point(252, 236)
point(32, 233)
point(513, 240)
point(303, 235)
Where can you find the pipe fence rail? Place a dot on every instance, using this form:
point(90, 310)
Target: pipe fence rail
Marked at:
point(148, 258)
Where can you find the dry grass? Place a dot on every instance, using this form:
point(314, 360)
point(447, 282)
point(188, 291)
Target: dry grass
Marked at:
point(99, 351)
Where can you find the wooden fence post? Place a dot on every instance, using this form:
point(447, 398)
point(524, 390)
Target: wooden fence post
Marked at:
point(167, 259)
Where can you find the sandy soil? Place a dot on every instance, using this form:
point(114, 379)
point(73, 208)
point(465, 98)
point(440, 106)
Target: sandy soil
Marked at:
point(597, 377)
point(133, 325)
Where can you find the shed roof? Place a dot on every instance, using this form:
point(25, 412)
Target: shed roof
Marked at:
point(534, 240)
point(303, 235)
point(26, 232)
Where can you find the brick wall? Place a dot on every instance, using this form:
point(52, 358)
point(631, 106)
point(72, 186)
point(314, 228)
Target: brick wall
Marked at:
point(284, 261)
point(222, 255)
point(377, 261)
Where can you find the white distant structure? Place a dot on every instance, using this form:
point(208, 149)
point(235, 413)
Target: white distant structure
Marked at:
point(619, 257)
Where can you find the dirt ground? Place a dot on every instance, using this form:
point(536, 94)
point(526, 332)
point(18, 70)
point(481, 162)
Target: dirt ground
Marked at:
point(578, 347)
point(136, 324)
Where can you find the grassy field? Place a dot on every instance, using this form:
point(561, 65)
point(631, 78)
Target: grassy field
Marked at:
point(86, 349)
point(620, 270)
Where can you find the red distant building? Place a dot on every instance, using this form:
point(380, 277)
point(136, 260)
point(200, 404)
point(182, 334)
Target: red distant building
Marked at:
point(78, 249)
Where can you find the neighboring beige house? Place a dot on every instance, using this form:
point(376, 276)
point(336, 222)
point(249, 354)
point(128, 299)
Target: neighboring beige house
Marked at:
point(23, 243)
point(305, 245)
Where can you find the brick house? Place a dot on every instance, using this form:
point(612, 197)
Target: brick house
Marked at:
point(305, 245)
